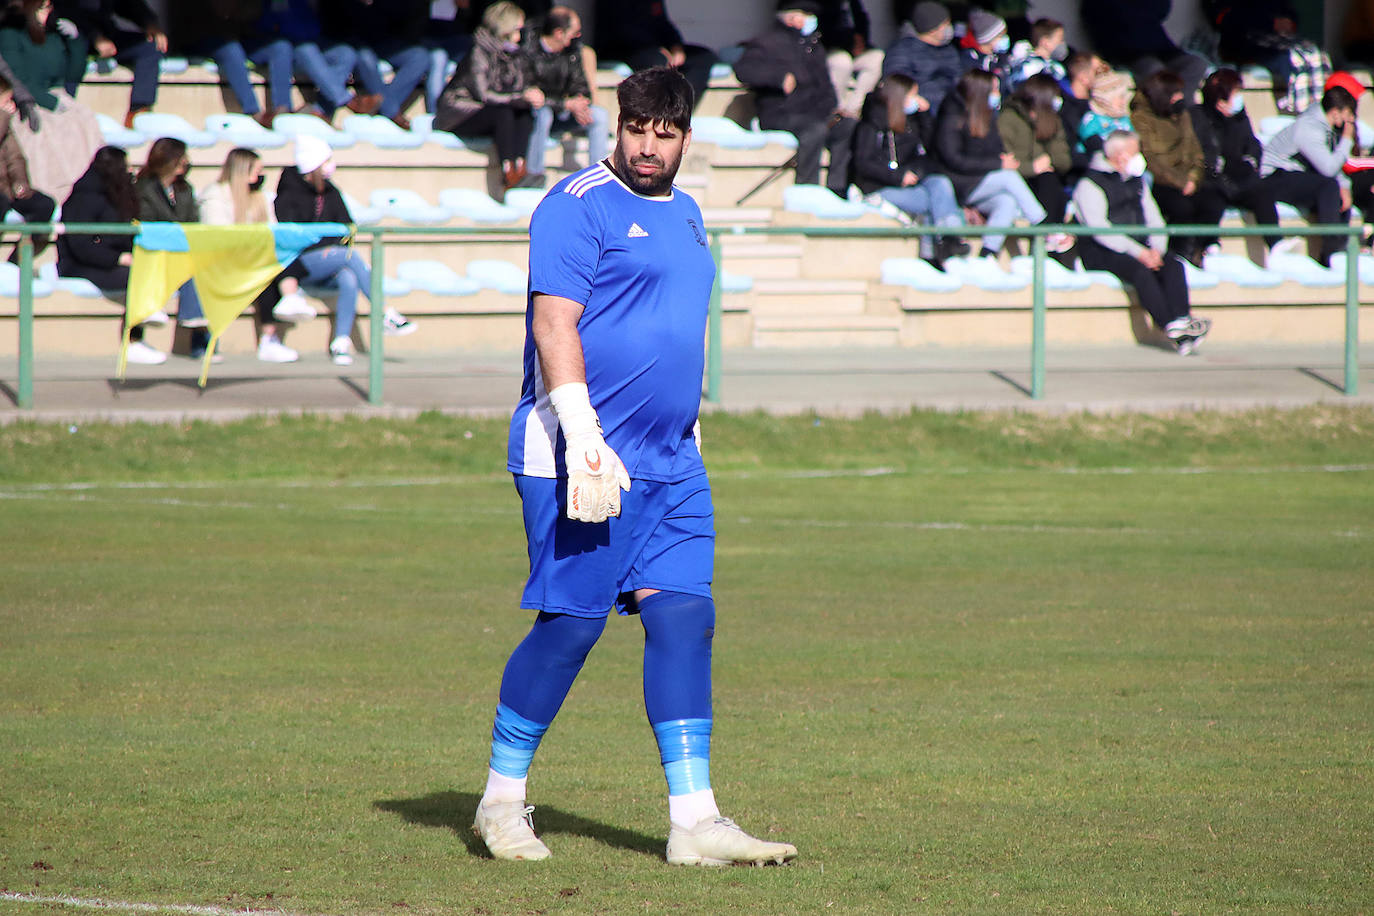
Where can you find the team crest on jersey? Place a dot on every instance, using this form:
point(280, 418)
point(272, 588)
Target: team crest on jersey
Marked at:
point(636, 232)
point(696, 232)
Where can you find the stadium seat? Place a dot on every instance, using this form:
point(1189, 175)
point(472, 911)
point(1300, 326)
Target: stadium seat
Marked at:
point(1240, 271)
point(154, 124)
point(1364, 265)
point(735, 283)
point(1103, 278)
point(477, 206)
point(919, 275)
point(820, 201)
point(423, 125)
point(383, 133)
point(242, 130)
point(9, 281)
point(1271, 125)
point(75, 286)
point(725, 133)
point(1199, 279)
point(524, 199)
point(502, 276)
point(407, 206)
point(1057, 276)
point(437, 278)
point(174, 65)
point(116, 134)
point(294, 124)
point(395, 286)
point(1302, 269)
point(986, 274)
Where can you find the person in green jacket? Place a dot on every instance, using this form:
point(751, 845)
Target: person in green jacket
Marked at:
point(1033, 132)
point(41, 58)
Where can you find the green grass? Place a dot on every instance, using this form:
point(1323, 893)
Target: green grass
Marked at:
point(1032, 664)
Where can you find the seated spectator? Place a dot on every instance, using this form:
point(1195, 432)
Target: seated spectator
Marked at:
point(448, 40)
point(1174, 158)
point(1032, 132)
point(226, 32)
point(1108, 110)
point(129, 32)
point(238, 198)
point(165, 196)
point(1303, 164)
point(326, 64)
point(787, 72)
point(639, 34)
point(985, 176)
point(23, 99)
point(489, 95)
point(1265, 32)
point(891, 162)
point(105, 194)
point(16, 191)
point(1043, 53)
point(924, 52)
point(986, 44)
point(1082, 69)
point(1130, 34)
point(1113, 193)
point(855, 65)
point(306, 195)
point(555, 60)
point(382, 30)
point(1231, 154)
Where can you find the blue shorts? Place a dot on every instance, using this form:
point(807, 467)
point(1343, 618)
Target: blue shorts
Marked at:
point(664, 539)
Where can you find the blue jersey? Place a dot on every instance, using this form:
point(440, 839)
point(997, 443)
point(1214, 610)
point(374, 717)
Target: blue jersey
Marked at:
point(642, 270)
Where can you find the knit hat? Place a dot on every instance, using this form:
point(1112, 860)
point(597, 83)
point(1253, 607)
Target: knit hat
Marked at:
point(311, 153)
point(985, 26)
point(1106, 87)
point(1345, 81)
point(810, 7)
point(928, 15)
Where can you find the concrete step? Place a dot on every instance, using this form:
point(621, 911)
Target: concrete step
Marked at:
point(761, 259)
point(774, 297)
point(827, 331)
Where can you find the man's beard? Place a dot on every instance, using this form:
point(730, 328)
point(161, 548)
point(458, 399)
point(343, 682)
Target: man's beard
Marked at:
point(655, 185)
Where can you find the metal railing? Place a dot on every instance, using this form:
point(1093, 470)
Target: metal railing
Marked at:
point(376, 237)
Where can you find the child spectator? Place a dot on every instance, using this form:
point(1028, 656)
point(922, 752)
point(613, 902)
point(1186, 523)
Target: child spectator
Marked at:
point(1043, 53)
point(1174, 158)
point(1032, 132)
point(129, 32)
point(986, 44)
point(555, 61)
point(16, 191)
point(1108, 110)
point(924, 52)
point(1082, 69)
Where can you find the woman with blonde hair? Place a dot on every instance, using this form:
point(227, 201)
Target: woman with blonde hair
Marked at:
point(238, 197)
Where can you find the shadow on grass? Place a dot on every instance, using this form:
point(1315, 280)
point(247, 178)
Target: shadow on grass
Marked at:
point(454, 811)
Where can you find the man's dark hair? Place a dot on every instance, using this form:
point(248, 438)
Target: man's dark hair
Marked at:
point(659, 95)
point(555, 19)
point(1338, 98)
point(1077, 62)
point(1159, 89)
point(1044, 28)
point(1220, 86)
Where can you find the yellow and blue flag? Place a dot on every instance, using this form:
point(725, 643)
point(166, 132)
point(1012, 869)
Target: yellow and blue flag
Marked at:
point(231, 265)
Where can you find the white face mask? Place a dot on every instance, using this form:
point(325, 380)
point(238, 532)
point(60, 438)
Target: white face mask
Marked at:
point(1057, 104)
point(946, 34)
point(1136, 166)
point(1002, 44)
point(809, 24)
point(911, 106)
point(1237, 103)
point(995, 100)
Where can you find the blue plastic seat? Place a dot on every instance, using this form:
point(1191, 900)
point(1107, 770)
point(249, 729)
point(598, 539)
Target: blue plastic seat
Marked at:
point(1240, 271)
point(1057, 276)
point(437, 278)
point(919, 275)
point(294, 125)
point(475, 205)
point(986, 274)
point(501, 276)
point(407, 206)
point(242, 130)
point(162, 124)
point(383, 133)
point(821, 202)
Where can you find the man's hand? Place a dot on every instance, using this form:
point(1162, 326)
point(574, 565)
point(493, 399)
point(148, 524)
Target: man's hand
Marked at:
point(158, 38)
point(1150, 258)
point(596, 475)
point(789, 84)
point(580, 107)
point(534, 96)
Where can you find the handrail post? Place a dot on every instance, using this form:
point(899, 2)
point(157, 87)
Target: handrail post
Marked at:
point(1352, 313)
point(714, 321)
point(1037, 390)
point(25, 398)
point(376, 314)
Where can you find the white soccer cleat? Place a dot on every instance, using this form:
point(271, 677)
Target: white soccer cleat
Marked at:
point(720, 841)
point(508, 830)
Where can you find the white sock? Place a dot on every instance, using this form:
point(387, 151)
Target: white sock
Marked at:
point(504, 788)
point(686, 811)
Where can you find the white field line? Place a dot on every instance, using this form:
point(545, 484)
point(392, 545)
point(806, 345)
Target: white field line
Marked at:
point(122, 906)
point(946, 526)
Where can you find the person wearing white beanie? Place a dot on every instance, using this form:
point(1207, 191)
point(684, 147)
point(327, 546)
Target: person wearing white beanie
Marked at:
point(311, 153)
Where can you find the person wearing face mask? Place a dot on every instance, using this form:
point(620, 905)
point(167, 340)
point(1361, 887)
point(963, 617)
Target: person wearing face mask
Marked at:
point(1174, 157)
point(306, 195)
point(1108, 110)
point(785, 67)
point(924, 52)
point(1231, 154)
point(1043, 53)
point(855, 65)
point(165, 196)
point(1032, 132)
point(1112, 193)
point(987, 46)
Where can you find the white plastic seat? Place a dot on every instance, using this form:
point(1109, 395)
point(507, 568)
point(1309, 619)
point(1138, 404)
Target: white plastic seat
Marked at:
point(1240, 271)
point(986, 274)
point(1302, 269)
point(162, 124)
point(362, 214)
point(437, 278)
point(918, 274)
point(407, 206)
point(735, 283)
point(478, 206)
point(524, 199)
point(1057, 276)
point(1199, 279)
point(9, 282)
point(1103, 278)
point(501, 276)
point(383, 132)
point(1364, 265)
point(116, 134)
point(820, 201)
point(294, 125)
point(241, 130)
point(725, 133)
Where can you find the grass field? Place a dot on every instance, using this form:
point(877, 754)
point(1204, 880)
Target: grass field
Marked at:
point(966, 663)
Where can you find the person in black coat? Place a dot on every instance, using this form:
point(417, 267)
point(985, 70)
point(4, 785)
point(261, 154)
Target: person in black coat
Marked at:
point(785, 66)
point(640, 34)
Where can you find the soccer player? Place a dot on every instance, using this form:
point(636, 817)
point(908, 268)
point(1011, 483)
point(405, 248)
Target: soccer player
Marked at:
point(603, 447)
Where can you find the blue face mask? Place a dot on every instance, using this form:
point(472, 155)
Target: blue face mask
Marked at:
point(911, 106)
point(809, 24)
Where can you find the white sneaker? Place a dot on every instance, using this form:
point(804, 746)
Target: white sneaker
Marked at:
point(201, 322)
point(341, 351)
point(139, 352)
point(508, 830)
point(272, 350)
point(158, 318)
point(293, 309)
point(720, 841)
point(397, 325)
point(1179, 327)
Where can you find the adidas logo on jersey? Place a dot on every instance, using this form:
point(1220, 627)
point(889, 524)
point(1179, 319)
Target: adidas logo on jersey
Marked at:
point(636, 232)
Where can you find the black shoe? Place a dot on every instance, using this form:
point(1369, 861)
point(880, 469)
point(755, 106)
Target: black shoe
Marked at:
point(532, 181)
point(951, 246)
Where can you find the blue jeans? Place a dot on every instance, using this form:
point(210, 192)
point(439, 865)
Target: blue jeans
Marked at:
point(329, 70)
point(188, 303)
point(274, 56)
point(410, 64)
point(931, 200)
point(341, 269)
point(598, 134)
point(1001, 197)
point(140, 55)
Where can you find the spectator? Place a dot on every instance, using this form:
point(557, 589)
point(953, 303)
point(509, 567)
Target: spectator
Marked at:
point(382, 30)
point(1231, 154)
point(326, 64)
point(786, 68)
point(1265, 32)
point(985, 175)
point(1174, 158)
point(555, 58)
point(986, 43)
point(43, 61)
point(226, 32)
point(129, 32)
point(489, 95)
point(891, 162)
point(924, 52)
point(1034, 135)
point(448, 40)
point(105, 194)
point(1303, 163)
point(640, 34)
point(1130, 33)
point(855, 65)
point(1081, 69)
point(165, 196)
point(24, 102)
point(238, 198)
point(16, 191)
point(1113, 193)
point(1108, 110)
point(1043, 53)
point(306, 195)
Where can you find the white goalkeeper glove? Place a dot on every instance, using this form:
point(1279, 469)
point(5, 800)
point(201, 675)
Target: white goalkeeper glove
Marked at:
point(596, 475)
